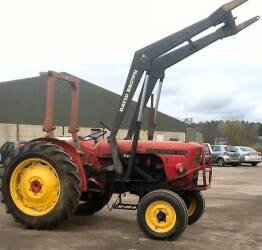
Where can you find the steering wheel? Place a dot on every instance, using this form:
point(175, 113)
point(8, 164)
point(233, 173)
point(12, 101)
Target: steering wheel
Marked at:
point(94, 136)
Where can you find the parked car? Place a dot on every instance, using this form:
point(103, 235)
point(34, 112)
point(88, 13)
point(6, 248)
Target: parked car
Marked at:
point(249, 155)
point(225, 155)
point(9, 147)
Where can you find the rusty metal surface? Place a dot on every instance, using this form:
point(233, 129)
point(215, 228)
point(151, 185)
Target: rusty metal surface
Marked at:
point(49, 125)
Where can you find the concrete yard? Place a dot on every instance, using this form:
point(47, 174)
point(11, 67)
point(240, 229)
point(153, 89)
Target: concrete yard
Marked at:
point(232, 220)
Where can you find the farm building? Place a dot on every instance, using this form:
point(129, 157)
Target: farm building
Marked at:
point(22, 111)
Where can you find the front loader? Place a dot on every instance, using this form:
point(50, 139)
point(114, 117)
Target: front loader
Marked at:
point(48, 180)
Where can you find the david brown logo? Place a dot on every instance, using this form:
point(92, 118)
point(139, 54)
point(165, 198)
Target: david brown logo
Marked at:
point(128, 90)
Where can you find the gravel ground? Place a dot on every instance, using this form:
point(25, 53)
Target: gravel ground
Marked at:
point(232, 220)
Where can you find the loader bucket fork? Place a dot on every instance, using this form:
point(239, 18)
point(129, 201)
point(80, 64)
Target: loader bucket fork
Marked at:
point(154, 59)
point(49, 126)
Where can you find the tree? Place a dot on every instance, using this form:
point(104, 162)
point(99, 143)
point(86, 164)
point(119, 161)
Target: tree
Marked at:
point(239, 133)
point(236, 132)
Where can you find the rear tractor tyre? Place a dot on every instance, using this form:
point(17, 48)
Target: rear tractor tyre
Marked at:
point(93, 204)
point(41, 185)
point(195, 204)
point(162, 215)
point(221, 162)
point(254, 164)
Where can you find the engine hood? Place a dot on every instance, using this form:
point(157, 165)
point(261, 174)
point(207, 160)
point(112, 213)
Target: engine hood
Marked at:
point(146, 147)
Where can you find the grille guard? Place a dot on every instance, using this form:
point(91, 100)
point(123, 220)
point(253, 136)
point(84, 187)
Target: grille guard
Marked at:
point(205, 168)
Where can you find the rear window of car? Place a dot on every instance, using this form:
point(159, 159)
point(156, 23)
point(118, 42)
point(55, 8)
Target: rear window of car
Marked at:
point(216, 148)
point(3, 147)
point(11, 146)
point(247, 149)
point(7, 146)
point(230, 149)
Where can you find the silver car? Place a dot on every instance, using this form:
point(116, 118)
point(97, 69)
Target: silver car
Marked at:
point(249, 155)
point(225, 155)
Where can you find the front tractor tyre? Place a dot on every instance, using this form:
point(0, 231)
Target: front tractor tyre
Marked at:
point(162, 215)
point(195, 204)
point(41, 185)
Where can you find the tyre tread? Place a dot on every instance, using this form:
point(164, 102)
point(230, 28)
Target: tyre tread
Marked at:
point(73, 192)
point(173, 234)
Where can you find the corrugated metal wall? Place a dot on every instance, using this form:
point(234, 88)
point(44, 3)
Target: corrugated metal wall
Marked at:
point(23, 101)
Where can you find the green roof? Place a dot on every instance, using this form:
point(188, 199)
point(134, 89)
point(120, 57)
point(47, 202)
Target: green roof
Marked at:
point(23, 101)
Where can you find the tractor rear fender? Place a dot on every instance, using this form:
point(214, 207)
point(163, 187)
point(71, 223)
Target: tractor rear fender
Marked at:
point(75, 156)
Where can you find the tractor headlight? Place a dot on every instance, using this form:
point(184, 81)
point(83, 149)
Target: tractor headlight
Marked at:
point(180, 168)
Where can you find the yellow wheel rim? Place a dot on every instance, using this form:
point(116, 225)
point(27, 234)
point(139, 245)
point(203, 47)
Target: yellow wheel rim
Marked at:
point(160, 216)
point(191, 208)
point(35, 187)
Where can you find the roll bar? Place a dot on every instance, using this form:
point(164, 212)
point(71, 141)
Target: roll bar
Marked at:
point(49, 126)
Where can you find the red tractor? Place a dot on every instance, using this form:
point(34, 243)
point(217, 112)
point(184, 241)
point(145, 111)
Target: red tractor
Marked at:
point(48, 180)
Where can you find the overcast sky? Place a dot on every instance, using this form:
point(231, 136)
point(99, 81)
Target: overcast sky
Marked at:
point(96, 40)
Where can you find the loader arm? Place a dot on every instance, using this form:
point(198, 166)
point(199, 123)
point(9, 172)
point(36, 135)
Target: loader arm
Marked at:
point(160, 64)
point(142, 62)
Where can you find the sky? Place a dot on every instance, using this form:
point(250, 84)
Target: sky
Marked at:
point(96, 40)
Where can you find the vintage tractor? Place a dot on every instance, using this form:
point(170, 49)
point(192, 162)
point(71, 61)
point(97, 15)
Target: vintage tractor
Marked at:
point(48, 180)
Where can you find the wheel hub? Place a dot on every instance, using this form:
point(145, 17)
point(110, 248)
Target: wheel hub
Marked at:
point(36, 186)
point(160, 216)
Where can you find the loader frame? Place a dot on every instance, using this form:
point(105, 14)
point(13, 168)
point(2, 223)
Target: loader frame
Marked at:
point(152, 61)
